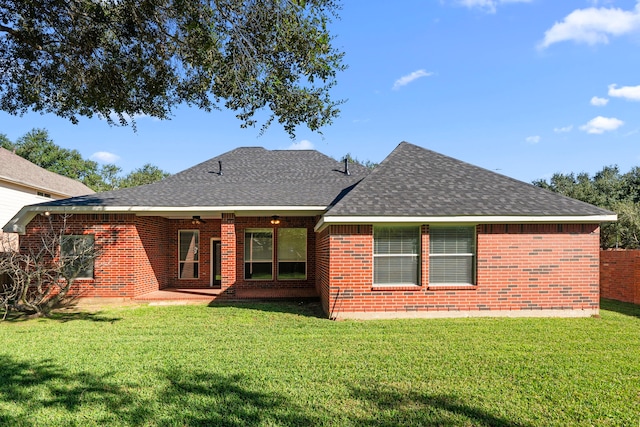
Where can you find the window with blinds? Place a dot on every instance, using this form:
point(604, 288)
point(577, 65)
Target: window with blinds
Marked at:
point(396, 251)
point(452, 253)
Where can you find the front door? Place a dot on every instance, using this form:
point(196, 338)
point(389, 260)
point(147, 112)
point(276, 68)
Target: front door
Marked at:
point(216, 265)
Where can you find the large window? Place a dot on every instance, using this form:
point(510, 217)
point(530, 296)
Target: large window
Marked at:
point(77, 255)
point(396, 251)
point(292, 253)
point(258, 254)
point(452, 253)
point(188, 254)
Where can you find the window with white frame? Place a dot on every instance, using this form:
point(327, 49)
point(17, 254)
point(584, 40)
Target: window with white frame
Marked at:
point(189, 254)
point(452, 255)
point(292, 253)
point(396, 255)
point(77, 255)
point(258, 253)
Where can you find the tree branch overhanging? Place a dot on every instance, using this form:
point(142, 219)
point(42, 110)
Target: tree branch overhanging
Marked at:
point(147, 56)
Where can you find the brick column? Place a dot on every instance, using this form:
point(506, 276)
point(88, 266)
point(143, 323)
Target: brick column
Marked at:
point(228, 251)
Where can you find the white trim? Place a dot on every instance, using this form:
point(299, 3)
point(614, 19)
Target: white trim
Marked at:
point(26, 214)
point(475, 219)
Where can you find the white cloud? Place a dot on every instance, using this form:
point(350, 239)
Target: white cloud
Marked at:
point(533, 139)
point(405, 80)
point(104, 157)
point(488, 5)
point(601, 125)
point(599, 102)
point(628, 92)
point(302, 145)
point(593, 26)
point(563, 129)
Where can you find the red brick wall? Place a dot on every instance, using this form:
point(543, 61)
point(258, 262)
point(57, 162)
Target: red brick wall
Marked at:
point(153, 262)
point(116, 236)
point(351, 270)
point(620, 275)
point(228, 253)
point(323, 254)
point(519, 267)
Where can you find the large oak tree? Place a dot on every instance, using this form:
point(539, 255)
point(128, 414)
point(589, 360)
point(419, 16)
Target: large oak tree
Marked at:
point(125, 58)
point(611, 190)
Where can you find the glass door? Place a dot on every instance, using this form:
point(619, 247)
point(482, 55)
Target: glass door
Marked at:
point(216, 264)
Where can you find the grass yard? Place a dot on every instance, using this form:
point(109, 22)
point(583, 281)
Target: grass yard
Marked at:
point(283, 364)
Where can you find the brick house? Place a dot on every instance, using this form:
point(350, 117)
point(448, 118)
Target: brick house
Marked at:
point(421, 235)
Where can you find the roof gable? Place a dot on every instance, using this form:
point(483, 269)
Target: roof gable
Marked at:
point(16, 169)
point(414, 181)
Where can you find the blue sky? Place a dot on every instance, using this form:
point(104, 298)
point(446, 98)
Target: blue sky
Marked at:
point(523, 87)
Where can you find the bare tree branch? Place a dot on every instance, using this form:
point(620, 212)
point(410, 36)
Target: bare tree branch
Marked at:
point(36, 279)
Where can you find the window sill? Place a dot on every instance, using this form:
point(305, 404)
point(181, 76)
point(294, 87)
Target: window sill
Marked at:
point(396, 287)
point(451, 287)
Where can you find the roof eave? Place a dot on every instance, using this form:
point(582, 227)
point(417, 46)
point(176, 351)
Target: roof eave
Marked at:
point(327, 220)
point(52, 191)
point(18, 223)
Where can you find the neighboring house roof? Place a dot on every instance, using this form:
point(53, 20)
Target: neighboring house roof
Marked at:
point(17, 170)
point(411, 185)
point(414, 181)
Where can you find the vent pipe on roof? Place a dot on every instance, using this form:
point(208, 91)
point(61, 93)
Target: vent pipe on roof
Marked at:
point(346, 166)
point(220, 167)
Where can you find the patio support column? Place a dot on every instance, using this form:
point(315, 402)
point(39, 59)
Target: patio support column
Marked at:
point(228, 252)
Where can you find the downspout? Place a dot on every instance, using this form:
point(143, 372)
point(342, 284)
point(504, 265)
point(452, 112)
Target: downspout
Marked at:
point(333, 309)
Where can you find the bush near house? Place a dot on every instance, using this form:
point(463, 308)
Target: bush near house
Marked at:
point(283, 364)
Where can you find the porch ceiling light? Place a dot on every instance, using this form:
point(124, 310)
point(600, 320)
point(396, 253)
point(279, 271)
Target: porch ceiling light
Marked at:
point(196, 220)
point(275, 220)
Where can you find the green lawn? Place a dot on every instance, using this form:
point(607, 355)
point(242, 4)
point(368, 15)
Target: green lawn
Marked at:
point(283, 364)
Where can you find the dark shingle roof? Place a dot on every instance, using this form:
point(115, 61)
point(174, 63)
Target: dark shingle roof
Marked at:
point(251, 176)
point(413, 181)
